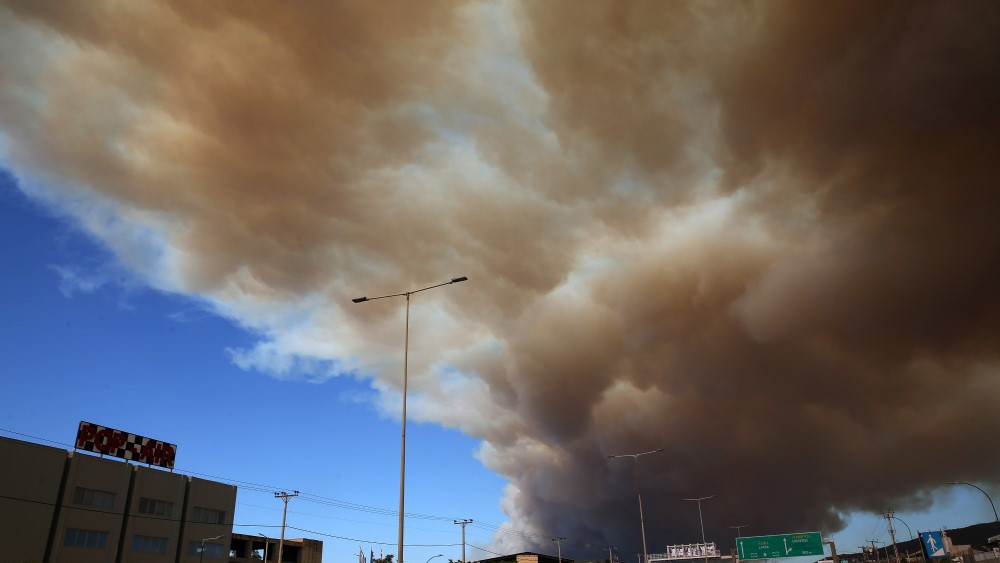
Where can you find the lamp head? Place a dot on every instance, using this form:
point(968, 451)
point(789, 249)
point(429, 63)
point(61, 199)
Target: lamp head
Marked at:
point(359, 299)
point(461, 279)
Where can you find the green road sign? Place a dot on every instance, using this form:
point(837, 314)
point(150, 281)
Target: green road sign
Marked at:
point(784, 545)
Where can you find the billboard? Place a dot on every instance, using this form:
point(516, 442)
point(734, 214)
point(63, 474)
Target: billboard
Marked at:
point(690, 551)
point(109, 441)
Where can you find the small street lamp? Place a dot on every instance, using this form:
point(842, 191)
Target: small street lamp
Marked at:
point(201, 556)
point(266, 539)
point(739, 535)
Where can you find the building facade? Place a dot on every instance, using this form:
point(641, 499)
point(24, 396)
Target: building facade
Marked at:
point(245, 548)
point(70, 507)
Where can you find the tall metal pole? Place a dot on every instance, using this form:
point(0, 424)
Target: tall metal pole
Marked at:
point(559, 546)
point(463, 523)
point(638, 493)
point(284, 514)
point(610, 558)
point(402, 441)
point(642, 521)
point(993, 506)
point(406, 354)
point(702, 522)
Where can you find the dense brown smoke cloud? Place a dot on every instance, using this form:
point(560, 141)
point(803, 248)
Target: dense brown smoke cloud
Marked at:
point(760, 235)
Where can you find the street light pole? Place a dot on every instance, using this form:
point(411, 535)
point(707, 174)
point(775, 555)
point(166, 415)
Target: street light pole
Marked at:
point(201, 555)
point(997, 519)
point(433, 556)
point(266, 539)
point(702, 522)
point(738, 535)
point(638, 492)
point(406, 353)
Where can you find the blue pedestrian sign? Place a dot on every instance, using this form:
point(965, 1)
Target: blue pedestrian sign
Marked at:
point(933, 543)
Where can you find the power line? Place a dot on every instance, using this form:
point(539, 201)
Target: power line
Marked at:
point(486, 550)
point(373, 542)
point(324, 501)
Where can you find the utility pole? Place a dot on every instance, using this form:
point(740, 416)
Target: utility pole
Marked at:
point(462, 523)
point(878, 558)
point(892, 533)
point(559, 546)
point(284, 513)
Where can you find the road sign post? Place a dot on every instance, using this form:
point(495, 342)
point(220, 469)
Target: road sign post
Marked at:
point(782, 545)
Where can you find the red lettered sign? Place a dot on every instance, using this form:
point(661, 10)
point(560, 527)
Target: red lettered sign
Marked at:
point(108, 441)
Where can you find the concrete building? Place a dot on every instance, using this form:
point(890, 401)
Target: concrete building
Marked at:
point(251, 549)
point(71, 507)
point(525, 557)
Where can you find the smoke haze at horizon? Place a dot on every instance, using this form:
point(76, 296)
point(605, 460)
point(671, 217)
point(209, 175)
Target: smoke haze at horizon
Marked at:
point(760, 235)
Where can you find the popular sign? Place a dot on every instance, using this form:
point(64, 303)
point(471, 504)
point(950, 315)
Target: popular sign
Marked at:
point(784, 545)
point(933, 544)
point(108, 441)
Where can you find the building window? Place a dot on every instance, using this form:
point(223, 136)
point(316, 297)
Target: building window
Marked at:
point(149, 544)
point(94, 498)
point(209, 515)
point(212, 550)
point(85, 538)
point(155, 507)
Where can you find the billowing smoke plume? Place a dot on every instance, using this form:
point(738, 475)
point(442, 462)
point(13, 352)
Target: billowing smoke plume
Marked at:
point(761, 236)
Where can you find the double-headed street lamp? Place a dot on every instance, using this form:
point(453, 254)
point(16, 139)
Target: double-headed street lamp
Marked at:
point(642, 523)
point(406, 352)
point(702, 522)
